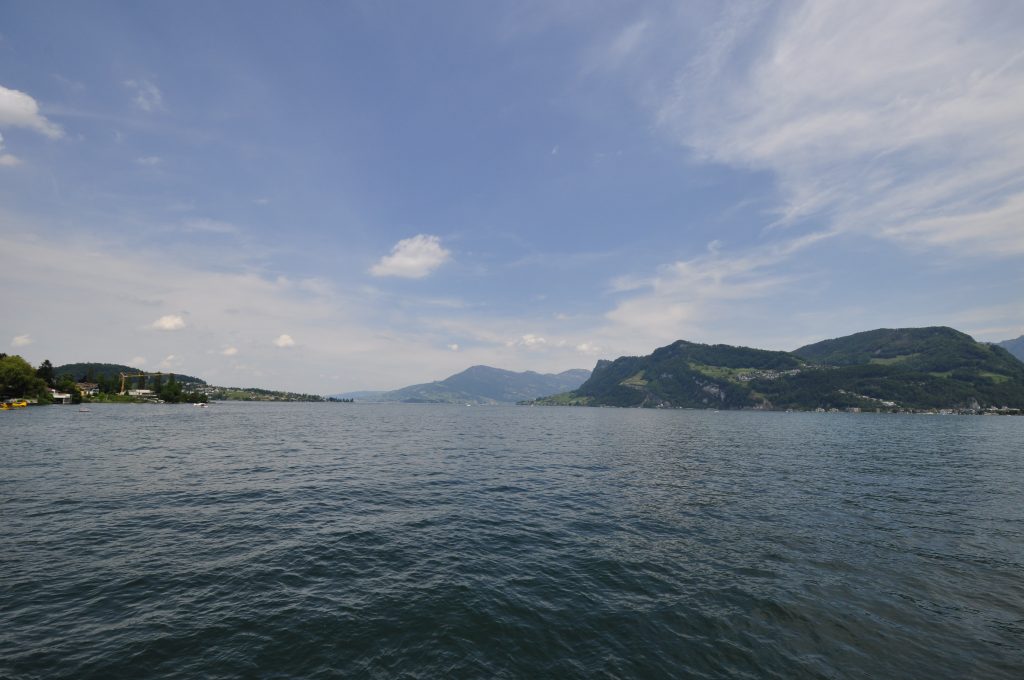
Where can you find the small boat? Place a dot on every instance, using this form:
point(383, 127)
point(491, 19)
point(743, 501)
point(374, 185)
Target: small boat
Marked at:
point(83, 409)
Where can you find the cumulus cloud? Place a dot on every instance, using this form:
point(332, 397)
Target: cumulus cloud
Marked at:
point(896, 119)
point(530, 341)
point(284, 340)
point(147, 96)
point(412, 258)
point(229, 351)
point(170, 322)
point(454, 347)
point(21, 341)
point(137, 361)
point(18, 109)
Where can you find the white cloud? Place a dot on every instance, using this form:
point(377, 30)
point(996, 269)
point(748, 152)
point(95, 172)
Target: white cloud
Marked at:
point(170, 322)
point(18, 109)
point(203, 224)
point(229, 351)
point(530, 341)
point(169, 362)
point(136, 362)
point(901, 120)
point(148, 96)
point(7, 159)
point(454, 347)
point(627, 42)
point(412, 258)
point(21, 341)
point(284, 340)
point(715, 288)
point(149, 160)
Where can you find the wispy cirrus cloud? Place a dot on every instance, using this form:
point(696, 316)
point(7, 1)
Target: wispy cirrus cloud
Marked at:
point(899, 120)
point(206, 225)
point(146, 95)
point(413, 258)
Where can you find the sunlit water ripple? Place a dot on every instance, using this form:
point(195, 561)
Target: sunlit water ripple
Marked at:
point(317, 540)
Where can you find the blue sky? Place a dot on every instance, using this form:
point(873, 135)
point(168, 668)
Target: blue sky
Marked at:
point(325, 197)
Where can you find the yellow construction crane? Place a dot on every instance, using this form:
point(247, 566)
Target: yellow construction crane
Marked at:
point(127, 376)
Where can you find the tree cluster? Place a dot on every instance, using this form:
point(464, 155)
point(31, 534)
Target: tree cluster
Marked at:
point(19, 379)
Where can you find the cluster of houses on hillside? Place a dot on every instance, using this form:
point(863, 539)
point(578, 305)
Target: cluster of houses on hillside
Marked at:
point(767, 374)
point(91, 389)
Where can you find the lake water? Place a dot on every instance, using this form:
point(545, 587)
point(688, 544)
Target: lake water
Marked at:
point(422, 541)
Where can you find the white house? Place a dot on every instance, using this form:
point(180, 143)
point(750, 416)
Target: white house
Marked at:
point(60, 397)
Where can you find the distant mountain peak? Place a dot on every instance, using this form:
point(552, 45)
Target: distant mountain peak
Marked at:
point(1014, 347)
point(482, 384)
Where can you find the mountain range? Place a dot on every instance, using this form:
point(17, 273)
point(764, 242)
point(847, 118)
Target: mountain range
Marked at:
point(480, 385)
point(889, 369)
point(1014, 347)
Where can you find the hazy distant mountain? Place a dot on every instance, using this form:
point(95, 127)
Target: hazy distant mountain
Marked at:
point(912, 368)
point(1014, 347)
point(481, 385)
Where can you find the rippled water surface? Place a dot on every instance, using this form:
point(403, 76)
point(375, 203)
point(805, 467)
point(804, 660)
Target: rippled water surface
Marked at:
point(317, 540)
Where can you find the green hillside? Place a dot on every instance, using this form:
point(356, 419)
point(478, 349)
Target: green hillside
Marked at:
point(93, 372)
point(889, 369)
point(933, 349)
point(684, 374)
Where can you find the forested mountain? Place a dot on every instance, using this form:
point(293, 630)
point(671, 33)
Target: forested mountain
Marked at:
point(1014, 347)
point(481, 385)
point(93, 372)
point(909, 368)
point(933, 349)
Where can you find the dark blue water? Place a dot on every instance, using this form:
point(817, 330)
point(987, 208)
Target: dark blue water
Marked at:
point(318, 540)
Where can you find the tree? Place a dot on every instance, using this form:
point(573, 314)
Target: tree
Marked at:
point(68, 385)
point(171, 392)
point(19, 379)
point(45, 372)
point(157, 383)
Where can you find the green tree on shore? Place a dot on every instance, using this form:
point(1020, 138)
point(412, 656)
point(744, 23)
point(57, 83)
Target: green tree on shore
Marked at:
point(45, 372)
point(19, 379)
